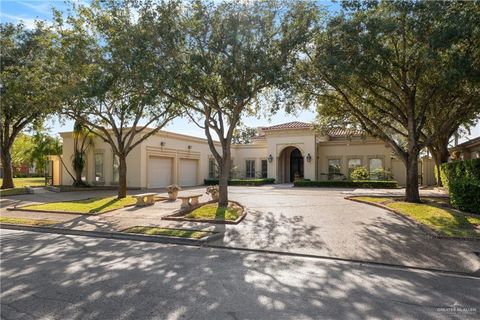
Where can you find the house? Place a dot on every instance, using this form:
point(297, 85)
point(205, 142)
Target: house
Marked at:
point(282, 152)
point(467, 150)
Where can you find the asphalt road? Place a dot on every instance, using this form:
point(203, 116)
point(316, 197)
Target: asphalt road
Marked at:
point(48, 276)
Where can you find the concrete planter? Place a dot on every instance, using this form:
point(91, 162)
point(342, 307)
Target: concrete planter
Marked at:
point(173, 195)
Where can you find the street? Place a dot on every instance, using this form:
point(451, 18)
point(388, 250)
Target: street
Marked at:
point(51, 276)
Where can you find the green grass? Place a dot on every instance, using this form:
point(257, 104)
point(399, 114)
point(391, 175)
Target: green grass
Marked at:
point(23, 182)
point(87, 206)
point(180, 233)
point(211, 211)
point(27, 221)
point(435, 214)
point(371, 199)
point(12, 192)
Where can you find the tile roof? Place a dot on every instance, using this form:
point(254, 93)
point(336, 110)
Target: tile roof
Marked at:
point(469, 143)
point(289, 125)
point(344, 132)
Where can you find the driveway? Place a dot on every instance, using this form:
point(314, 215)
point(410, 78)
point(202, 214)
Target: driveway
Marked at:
point(314, 221)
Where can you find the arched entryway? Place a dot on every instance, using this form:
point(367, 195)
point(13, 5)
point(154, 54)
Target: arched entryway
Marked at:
point(290, 164)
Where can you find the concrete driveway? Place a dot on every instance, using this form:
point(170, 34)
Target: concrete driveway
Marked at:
point(315, 221)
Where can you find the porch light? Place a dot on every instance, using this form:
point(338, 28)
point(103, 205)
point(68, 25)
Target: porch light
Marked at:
point(309, 158)
point(270, 158)
point(162, 143)
point(189, 147)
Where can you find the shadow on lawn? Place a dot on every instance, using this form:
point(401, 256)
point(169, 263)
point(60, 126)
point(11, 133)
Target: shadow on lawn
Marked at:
point(80, 278)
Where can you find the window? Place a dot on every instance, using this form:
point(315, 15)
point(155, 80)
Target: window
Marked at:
point(99, 167)
point(250, 169)
point(264, 169)
point(116, 164)
point(334, 166)
point(212, 168)
point(375, 166)
point(353, 163)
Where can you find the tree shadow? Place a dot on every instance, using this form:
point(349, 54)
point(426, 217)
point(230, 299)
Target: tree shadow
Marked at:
point(398, 240)
point(272, 231)
point(46, 276)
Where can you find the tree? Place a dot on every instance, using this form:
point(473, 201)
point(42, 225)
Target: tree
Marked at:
point(234, 53)
point(21, 152)
point(43, 146)
point(243, 135)
point(115, 72)
point(83, 139)
point(382, 66)
point(29, 84)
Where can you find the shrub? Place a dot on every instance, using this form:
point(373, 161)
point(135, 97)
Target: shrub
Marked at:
point(241, 182)
point(359, 173)
point(462, 180)
point(348, 184)
point(465, 195)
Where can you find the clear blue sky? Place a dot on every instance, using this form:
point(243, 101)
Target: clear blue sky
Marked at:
point(27, 11)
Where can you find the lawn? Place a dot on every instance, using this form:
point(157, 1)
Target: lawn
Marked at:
point(31, 222)
point(211, 211)
point(86, 206)
point(23, 182)
point(434, 213)
point(171, 232)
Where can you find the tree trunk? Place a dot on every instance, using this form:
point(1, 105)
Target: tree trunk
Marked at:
point(78, 178)
point(440, 155)
point(7, 169)
point(223, 179)
point(122, 177)
point(411, 192)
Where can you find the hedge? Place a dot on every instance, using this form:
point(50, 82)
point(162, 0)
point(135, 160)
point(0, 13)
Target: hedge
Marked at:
point(348, 184)
point(465, 195)
point(241, 182)
point(462, 180)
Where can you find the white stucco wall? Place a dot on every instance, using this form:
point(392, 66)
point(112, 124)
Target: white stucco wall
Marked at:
point(304, 140)
point(345, 150)
point(178, 146)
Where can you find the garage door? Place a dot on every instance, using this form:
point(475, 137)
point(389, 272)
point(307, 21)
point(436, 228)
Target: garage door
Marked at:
point(188, 172)
point(159, 172)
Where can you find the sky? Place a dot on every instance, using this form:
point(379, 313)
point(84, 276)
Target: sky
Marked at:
point(28, 10)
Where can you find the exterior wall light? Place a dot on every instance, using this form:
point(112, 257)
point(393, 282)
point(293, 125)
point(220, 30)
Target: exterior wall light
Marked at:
point(270, 158)
point(162, 143)
point(189, 147)
point(309, 158)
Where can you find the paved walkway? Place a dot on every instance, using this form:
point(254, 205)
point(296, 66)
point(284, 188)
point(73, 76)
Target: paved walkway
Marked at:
point(301, 220)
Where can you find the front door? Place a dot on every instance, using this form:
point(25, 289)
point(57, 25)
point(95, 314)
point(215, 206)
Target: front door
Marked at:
point(296, 164)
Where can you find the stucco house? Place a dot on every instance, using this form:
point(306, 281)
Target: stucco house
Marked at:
point(467, 150)
point(280, 151)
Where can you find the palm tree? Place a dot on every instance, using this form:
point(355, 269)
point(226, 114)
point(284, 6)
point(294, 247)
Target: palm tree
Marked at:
point(82, 141)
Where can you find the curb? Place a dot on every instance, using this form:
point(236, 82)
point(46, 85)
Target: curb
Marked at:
point(430, 232)
point(113, 235)
point(203, 243)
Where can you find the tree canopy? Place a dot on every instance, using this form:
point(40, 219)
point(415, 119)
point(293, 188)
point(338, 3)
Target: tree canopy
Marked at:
point(385, 67)
point(117, 61)
point(233, 53)
point(29, 85)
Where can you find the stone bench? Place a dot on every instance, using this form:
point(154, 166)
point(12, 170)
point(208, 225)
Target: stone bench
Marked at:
point(189, 200)
point(144, 199)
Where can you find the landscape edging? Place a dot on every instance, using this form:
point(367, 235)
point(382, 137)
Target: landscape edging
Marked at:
point(113, 234)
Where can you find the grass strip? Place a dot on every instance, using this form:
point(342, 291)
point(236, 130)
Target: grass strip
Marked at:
point(171, 232)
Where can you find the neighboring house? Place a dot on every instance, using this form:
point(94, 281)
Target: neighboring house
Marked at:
point(280, 152)
point(467, 150)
